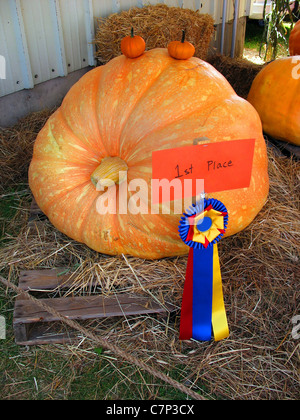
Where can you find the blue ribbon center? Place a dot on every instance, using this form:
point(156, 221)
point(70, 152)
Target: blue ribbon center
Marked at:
point(204, 224)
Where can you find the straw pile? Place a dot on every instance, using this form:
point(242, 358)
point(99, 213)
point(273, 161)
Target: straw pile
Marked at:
point(158, 25)
point(239, 72)
point(260, 270)
point(16, 145)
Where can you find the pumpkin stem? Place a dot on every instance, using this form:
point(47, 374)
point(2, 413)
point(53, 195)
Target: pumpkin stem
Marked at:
point(132, 32)
point(183, 37)
point(112, 170)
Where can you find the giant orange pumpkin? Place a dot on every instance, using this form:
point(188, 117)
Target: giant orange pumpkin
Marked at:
point(294, 42)
point(275, 94)
point(113, 118)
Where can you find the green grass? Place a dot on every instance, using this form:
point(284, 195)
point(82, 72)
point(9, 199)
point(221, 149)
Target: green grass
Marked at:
point(254, 34)
point(56, 372)
point(11, 202)
point(254, 37)
point(59, 372)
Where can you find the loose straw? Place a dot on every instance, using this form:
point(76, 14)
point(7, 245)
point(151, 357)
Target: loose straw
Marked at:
point(104, 343)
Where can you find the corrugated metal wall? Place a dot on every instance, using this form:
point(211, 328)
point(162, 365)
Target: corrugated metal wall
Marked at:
point(44, 39)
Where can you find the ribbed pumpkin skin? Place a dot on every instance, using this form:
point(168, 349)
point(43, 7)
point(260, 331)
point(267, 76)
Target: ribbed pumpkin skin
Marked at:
point(294, 42)
point(129, 108)
point(275, 94)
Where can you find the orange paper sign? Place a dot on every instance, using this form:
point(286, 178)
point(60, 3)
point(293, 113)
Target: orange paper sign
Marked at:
point(223, 166)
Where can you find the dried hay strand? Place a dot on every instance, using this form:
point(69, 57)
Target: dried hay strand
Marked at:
point(16, 145)
point(158, 25)
point(260, 271)
point(239, 72)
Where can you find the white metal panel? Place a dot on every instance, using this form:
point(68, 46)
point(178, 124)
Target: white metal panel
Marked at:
point(190, 4)
point(78, 32)
point(89, 30)
point(58, 38)
point(204, 6)
point(13, 47)
point(153, 2)
point(69, 18)
point(174, 3)
point(44, 37)
point(116, 6)
point(216, 10)
point(128, 4)
point(102, 8)
point(244, 8)
point(248, 4)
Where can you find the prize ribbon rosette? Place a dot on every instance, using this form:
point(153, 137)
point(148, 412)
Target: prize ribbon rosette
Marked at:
point(203, 312)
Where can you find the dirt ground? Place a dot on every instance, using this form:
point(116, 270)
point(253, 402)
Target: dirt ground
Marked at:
point(252, 55)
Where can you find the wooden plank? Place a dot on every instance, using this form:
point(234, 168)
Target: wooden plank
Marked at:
point(34, 208)
point(86, 307)
point(45, 280)
point(42, 334)
point(20, 333)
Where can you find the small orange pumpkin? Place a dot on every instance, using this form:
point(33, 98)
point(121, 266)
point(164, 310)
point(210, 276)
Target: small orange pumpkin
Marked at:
point(181, 50)
point(133, 46)
point(295, 40)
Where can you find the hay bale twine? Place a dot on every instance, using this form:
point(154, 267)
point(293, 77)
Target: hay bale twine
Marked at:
point(158, 25)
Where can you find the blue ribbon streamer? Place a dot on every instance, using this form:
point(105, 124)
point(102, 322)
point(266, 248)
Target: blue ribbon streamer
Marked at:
point(202, 294)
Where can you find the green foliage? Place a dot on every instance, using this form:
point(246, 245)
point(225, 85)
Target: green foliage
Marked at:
point(276, 33)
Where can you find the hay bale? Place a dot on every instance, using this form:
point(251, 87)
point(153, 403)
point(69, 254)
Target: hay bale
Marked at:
point(16, 145)
point(239, 72)
point(158, 25)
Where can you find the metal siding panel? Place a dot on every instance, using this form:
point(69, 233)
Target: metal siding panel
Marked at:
point(8, 45)
point(45, 45)
point(244, 8)
point(22, 48)
point(128, 4)
point(71, 34)
point(78, 33)
point(230, 14)
point(116, 6)
point(102, 8)
point(174, 3)
point(89, 31)
point(83, 43)
point(58, 38)
point(152, 2)
point(203, 6)
point(36, 39)
point(14, 46)
point(248, 7)
point(189, 4)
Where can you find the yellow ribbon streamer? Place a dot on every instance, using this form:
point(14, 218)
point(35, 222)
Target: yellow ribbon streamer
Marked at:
point(219, 318)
